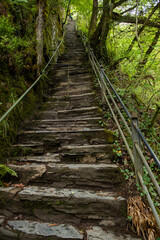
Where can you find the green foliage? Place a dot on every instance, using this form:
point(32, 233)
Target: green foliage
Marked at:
point(4, 170)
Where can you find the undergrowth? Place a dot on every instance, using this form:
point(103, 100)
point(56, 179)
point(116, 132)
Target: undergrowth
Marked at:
point(4, 170)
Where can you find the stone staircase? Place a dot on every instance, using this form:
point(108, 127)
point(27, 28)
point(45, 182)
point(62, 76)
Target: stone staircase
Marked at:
point(68, 186)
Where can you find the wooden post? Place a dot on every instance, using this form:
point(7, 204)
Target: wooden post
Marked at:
point(102, 85)
point(136, 139)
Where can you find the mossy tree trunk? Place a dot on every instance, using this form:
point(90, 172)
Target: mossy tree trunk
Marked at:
point(93, 22)
point(100, 35)
point(39, 35)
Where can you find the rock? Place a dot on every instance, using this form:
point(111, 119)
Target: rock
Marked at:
point(96, 233)
point(29, 172)
point(61, 231)
point(88, 159)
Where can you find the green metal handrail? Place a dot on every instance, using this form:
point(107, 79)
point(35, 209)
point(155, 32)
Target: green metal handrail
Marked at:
point(135, 133)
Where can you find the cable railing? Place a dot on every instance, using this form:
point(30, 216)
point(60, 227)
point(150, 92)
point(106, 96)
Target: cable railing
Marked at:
point(111, 97)
point(36, 81)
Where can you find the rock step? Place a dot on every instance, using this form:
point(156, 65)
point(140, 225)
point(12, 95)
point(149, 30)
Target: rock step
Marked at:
point(89, 123)
point(44, 159)
point(45, 202)
point(106, 176)
point(59, 138)
point(72, 86)
point(74, 97)
point(29, 230)
point(69, 91)
point(70, 104)
point(77, 112)
point(84, 153)
point(27, 148)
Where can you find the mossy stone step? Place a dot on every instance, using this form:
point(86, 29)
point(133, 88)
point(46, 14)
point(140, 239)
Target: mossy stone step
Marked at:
point(29, 230)
point(106, 176)
point(79, 203)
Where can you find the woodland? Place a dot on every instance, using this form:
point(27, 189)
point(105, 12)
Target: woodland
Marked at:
point(124, 35)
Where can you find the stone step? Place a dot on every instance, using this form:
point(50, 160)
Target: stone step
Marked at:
point(74, 97)
point(23, 149)
point(76, 113)
point(50, 203)
point(106, 176)
point(79, 112)
point(87, 153)
point(31, 229)
point(88, 122)
point(97, 233)
point(67, 103)
point(43, 159)
point(59, 138)
point(69, 91)
point(27, 230)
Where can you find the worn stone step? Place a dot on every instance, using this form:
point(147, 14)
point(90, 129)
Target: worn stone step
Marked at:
point(87, 136)
point(79, 112)
point(43, 159)
point(27, 230)
point(88, 122)
point(69, 91)
point(87, 153)
point(97, 233)
point(106, 176)
point(74, 97)
point(67, 104)
point(76, 113)
point(23, 149)
point(49, 203)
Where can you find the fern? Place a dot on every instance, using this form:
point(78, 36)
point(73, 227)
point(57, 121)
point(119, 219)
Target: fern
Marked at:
point(6, 170)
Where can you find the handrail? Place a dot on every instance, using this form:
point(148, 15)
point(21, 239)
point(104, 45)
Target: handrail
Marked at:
point(37, 80)
point(136, 135)
point(153, 155)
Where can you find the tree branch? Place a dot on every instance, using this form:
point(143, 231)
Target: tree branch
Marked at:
point(143, 27)
point(120, 2)
point(129, 9)
point(131, 19)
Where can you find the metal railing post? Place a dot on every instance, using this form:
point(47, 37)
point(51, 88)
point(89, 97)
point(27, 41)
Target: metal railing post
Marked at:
point(136, 140)
point(102, 84)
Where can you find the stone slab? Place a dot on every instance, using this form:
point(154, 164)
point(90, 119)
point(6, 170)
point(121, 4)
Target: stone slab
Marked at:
point(97, 233)
point(61, 231)
point(29, 172)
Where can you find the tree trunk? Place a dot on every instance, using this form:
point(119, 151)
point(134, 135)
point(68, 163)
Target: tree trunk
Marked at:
point(149, 51)
point(39, 36)
point(93, 22)
point(98, 40)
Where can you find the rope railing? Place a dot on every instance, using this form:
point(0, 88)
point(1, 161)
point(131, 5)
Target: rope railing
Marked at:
point(136, 154)
point(31, 87)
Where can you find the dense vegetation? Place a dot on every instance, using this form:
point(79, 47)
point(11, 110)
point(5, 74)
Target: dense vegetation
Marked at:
point(125, 36)
point(123, 33)
point(27, 36)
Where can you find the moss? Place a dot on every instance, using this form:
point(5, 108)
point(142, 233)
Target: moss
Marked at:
point(109, 136)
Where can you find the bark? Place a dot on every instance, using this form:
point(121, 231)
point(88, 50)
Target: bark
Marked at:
point(149, 51)
point(93, 22)
point(99, 37)
point(67, 12)
point(39, 36)
point(153, 120)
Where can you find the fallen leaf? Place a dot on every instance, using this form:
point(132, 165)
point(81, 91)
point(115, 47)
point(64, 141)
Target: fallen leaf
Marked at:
point(51, 225)
point(18, 185)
